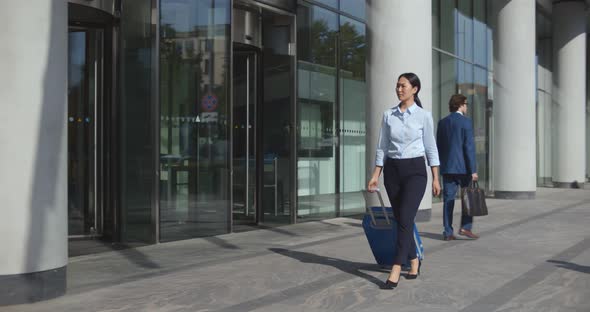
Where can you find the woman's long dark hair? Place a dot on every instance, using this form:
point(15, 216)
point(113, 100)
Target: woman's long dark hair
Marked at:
point(415, 82)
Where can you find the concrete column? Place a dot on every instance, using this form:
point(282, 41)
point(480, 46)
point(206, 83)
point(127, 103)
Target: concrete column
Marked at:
point(400, 40)
point(514, 153)
point(569, 93)
point(33, 152)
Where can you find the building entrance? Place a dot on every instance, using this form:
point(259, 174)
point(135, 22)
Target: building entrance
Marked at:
point(92, 216)
point(245, 107)
point(85, 84)
point(263, 140)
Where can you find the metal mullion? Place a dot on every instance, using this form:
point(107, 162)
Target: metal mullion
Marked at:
point(294, 128)
point(156, 120)
point(338, 11)
point(230, 125)
point(247, 184)
point(338, 124)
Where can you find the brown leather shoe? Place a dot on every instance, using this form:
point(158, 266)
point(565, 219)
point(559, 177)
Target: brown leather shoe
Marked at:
point(449, 238)
point(468, 233)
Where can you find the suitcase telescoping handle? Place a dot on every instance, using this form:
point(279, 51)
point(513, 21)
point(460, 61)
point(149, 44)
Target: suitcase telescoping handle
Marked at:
point(382, 206)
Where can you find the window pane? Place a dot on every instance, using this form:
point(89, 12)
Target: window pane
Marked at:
point(136, 147)
point(352, 113)
point(436, 23)
point(445, 84)
point(332, 3)
point(316, 164)
point(354, 7)
point(464, 30)
point(480, 33)
point(194, 134)
point(447, 26)
point(480, 112)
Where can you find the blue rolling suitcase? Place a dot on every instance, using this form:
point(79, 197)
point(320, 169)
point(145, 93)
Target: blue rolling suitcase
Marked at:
point(381, 231)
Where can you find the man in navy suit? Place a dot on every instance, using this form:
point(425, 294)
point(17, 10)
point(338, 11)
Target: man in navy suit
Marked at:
point(456, 148)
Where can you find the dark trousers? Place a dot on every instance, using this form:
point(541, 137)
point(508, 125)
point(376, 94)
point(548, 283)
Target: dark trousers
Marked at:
point(451, 183)
point(405, 182)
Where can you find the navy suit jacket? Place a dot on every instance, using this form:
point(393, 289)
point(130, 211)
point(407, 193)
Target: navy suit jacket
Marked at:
point(456, 146)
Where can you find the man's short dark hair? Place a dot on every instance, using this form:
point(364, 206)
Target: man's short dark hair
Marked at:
point(456, 101)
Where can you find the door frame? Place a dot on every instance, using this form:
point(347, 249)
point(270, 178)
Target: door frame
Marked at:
point(255, 54)
point(292, 122)
point(81, 17)
point(95, 158)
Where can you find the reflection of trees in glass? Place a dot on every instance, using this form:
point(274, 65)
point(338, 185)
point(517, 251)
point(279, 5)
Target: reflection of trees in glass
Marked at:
point(181, 82)
point(323, 43)
point(352, 50)
point(352, 46)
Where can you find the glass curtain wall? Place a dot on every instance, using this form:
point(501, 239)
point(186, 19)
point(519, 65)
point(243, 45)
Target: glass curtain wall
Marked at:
point(353, 91)
point(461, 64)
point(136, 128)
point(316, 112)
point(194, 122)
point(545, 129)
point(330, 111)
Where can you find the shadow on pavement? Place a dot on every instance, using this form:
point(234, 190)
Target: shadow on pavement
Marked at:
point(139, 258)
point(571, 266)
point(353, 268)
point(220, 242)
point(353, 224)
point(432, 236)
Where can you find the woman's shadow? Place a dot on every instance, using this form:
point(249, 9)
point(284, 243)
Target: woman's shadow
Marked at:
point(353, 268)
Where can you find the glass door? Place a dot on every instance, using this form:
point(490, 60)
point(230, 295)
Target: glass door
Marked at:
point(277, 120)
point(85, 56)
point(244, 137)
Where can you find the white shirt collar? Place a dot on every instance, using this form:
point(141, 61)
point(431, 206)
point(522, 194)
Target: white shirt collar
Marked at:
point(410, 109)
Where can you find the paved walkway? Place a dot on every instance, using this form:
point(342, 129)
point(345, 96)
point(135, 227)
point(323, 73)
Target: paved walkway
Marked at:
point(532, 256)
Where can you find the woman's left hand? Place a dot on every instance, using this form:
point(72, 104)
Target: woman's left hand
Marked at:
point(436, 188)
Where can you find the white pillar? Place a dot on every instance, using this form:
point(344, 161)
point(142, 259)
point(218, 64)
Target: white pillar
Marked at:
point(400, 40)
point(569, 79)
point(33, 152)
point(514, 154)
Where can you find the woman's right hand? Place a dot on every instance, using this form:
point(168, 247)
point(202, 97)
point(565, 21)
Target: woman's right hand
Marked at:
point(372, 186)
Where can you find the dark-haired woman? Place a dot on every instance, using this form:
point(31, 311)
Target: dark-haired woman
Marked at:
point(406, 137)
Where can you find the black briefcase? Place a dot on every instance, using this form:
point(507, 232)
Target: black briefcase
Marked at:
point(473, 200)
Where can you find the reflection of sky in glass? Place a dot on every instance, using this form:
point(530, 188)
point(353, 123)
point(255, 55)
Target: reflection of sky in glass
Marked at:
point(332, 3)
point(76, 57)
point(358, 27)
point(185, 15)
point(463, 35)
point(353, 7)
point(464, 73)
point(327, 16)
point(480, 55)
point(481, 77)
point(472, 40)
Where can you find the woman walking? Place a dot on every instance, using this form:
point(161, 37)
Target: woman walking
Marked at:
point(406, 137)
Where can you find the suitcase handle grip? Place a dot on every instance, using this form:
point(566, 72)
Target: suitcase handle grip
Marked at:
point(365, 192)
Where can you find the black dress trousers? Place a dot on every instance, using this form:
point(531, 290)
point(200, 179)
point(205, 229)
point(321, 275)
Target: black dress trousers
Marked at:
point(405, 181)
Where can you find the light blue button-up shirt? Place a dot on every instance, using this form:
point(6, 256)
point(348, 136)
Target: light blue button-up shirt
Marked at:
point(407, 135)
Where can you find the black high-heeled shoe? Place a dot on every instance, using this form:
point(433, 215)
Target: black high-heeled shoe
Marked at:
point(414, 276)
point(389, 284)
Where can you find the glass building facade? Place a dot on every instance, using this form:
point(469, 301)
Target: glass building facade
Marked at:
point(462, 60)
point(331, 93)
point(220, 115)
point(223, 115)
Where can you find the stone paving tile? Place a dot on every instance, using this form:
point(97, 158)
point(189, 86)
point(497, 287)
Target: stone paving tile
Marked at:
point(328, 266)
